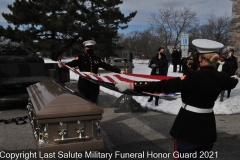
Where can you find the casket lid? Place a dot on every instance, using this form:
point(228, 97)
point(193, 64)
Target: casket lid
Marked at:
point(51, 100)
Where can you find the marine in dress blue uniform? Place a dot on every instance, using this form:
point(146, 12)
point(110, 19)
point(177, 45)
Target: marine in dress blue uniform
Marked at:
point(90, 63)
point(194, 128)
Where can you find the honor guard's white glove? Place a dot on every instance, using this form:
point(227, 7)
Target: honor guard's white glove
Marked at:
point(59, 65)
point(235, 76)
point(122, 72)
point(123, 86)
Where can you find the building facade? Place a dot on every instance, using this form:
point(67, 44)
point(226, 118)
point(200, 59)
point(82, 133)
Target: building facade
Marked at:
point(234, 42)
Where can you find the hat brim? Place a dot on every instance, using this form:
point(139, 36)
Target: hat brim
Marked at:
point(207, 46)
point(202, 51)
point(89, 43)
point(90, 46)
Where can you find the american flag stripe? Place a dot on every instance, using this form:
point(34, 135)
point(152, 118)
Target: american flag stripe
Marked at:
point(121, 78)
point(99, 78)
point(114, 78)
point(109, 81)
point(91, 76)
point(150, 77)
point(106, 79)
point(138, 78)
point(118, 77)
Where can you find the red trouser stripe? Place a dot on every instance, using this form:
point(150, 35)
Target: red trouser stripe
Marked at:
point(175, 148)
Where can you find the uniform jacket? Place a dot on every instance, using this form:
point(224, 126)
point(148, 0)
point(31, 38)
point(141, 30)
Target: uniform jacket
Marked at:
point(90, 63)
point(161, 63)
point(199, 89)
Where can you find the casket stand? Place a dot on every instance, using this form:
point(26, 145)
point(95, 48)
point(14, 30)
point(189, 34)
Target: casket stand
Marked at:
point(63, 121)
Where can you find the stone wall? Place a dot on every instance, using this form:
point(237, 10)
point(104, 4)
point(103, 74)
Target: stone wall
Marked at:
point(234, 42)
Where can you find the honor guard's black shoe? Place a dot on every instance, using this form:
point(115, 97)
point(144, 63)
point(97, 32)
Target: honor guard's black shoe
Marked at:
point(156, 103)
point(150, 99)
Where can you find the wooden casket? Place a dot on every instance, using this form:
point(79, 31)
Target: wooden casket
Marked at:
point(63, 121)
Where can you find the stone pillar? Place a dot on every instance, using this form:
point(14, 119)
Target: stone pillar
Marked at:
point(234, 42)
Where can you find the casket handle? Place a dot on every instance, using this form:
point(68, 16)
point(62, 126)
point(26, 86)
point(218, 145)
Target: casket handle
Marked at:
point(29, 107)
point(96, 129)
point(80, 128)
point(71, 139)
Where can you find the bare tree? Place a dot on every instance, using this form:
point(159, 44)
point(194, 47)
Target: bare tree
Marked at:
point(142, 44)
point(166, 27)
point(168, 24)
point(148, 46)
point(131, 42)
point(217, 28)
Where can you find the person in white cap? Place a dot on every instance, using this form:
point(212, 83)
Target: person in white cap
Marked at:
point(194, 129)
point(90, 63)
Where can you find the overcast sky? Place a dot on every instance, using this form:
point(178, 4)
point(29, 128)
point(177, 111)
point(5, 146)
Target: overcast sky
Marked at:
point(145, 8)
point(203, 8)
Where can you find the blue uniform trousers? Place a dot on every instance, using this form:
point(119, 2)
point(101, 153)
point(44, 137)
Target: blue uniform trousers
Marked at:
point(186, 151)
point(93, 97)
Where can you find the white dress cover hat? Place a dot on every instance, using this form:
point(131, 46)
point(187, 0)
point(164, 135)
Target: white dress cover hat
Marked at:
point(207, 46)
point(89, 43)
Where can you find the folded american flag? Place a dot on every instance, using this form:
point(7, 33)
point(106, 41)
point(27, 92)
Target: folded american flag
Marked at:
point(108, 81)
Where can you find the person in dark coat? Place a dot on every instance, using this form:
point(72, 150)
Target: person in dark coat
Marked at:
point(180, 62)
point(159, 65)
point(231, 61)
point(175, 59)
point(194, 129)
point(90, 63)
